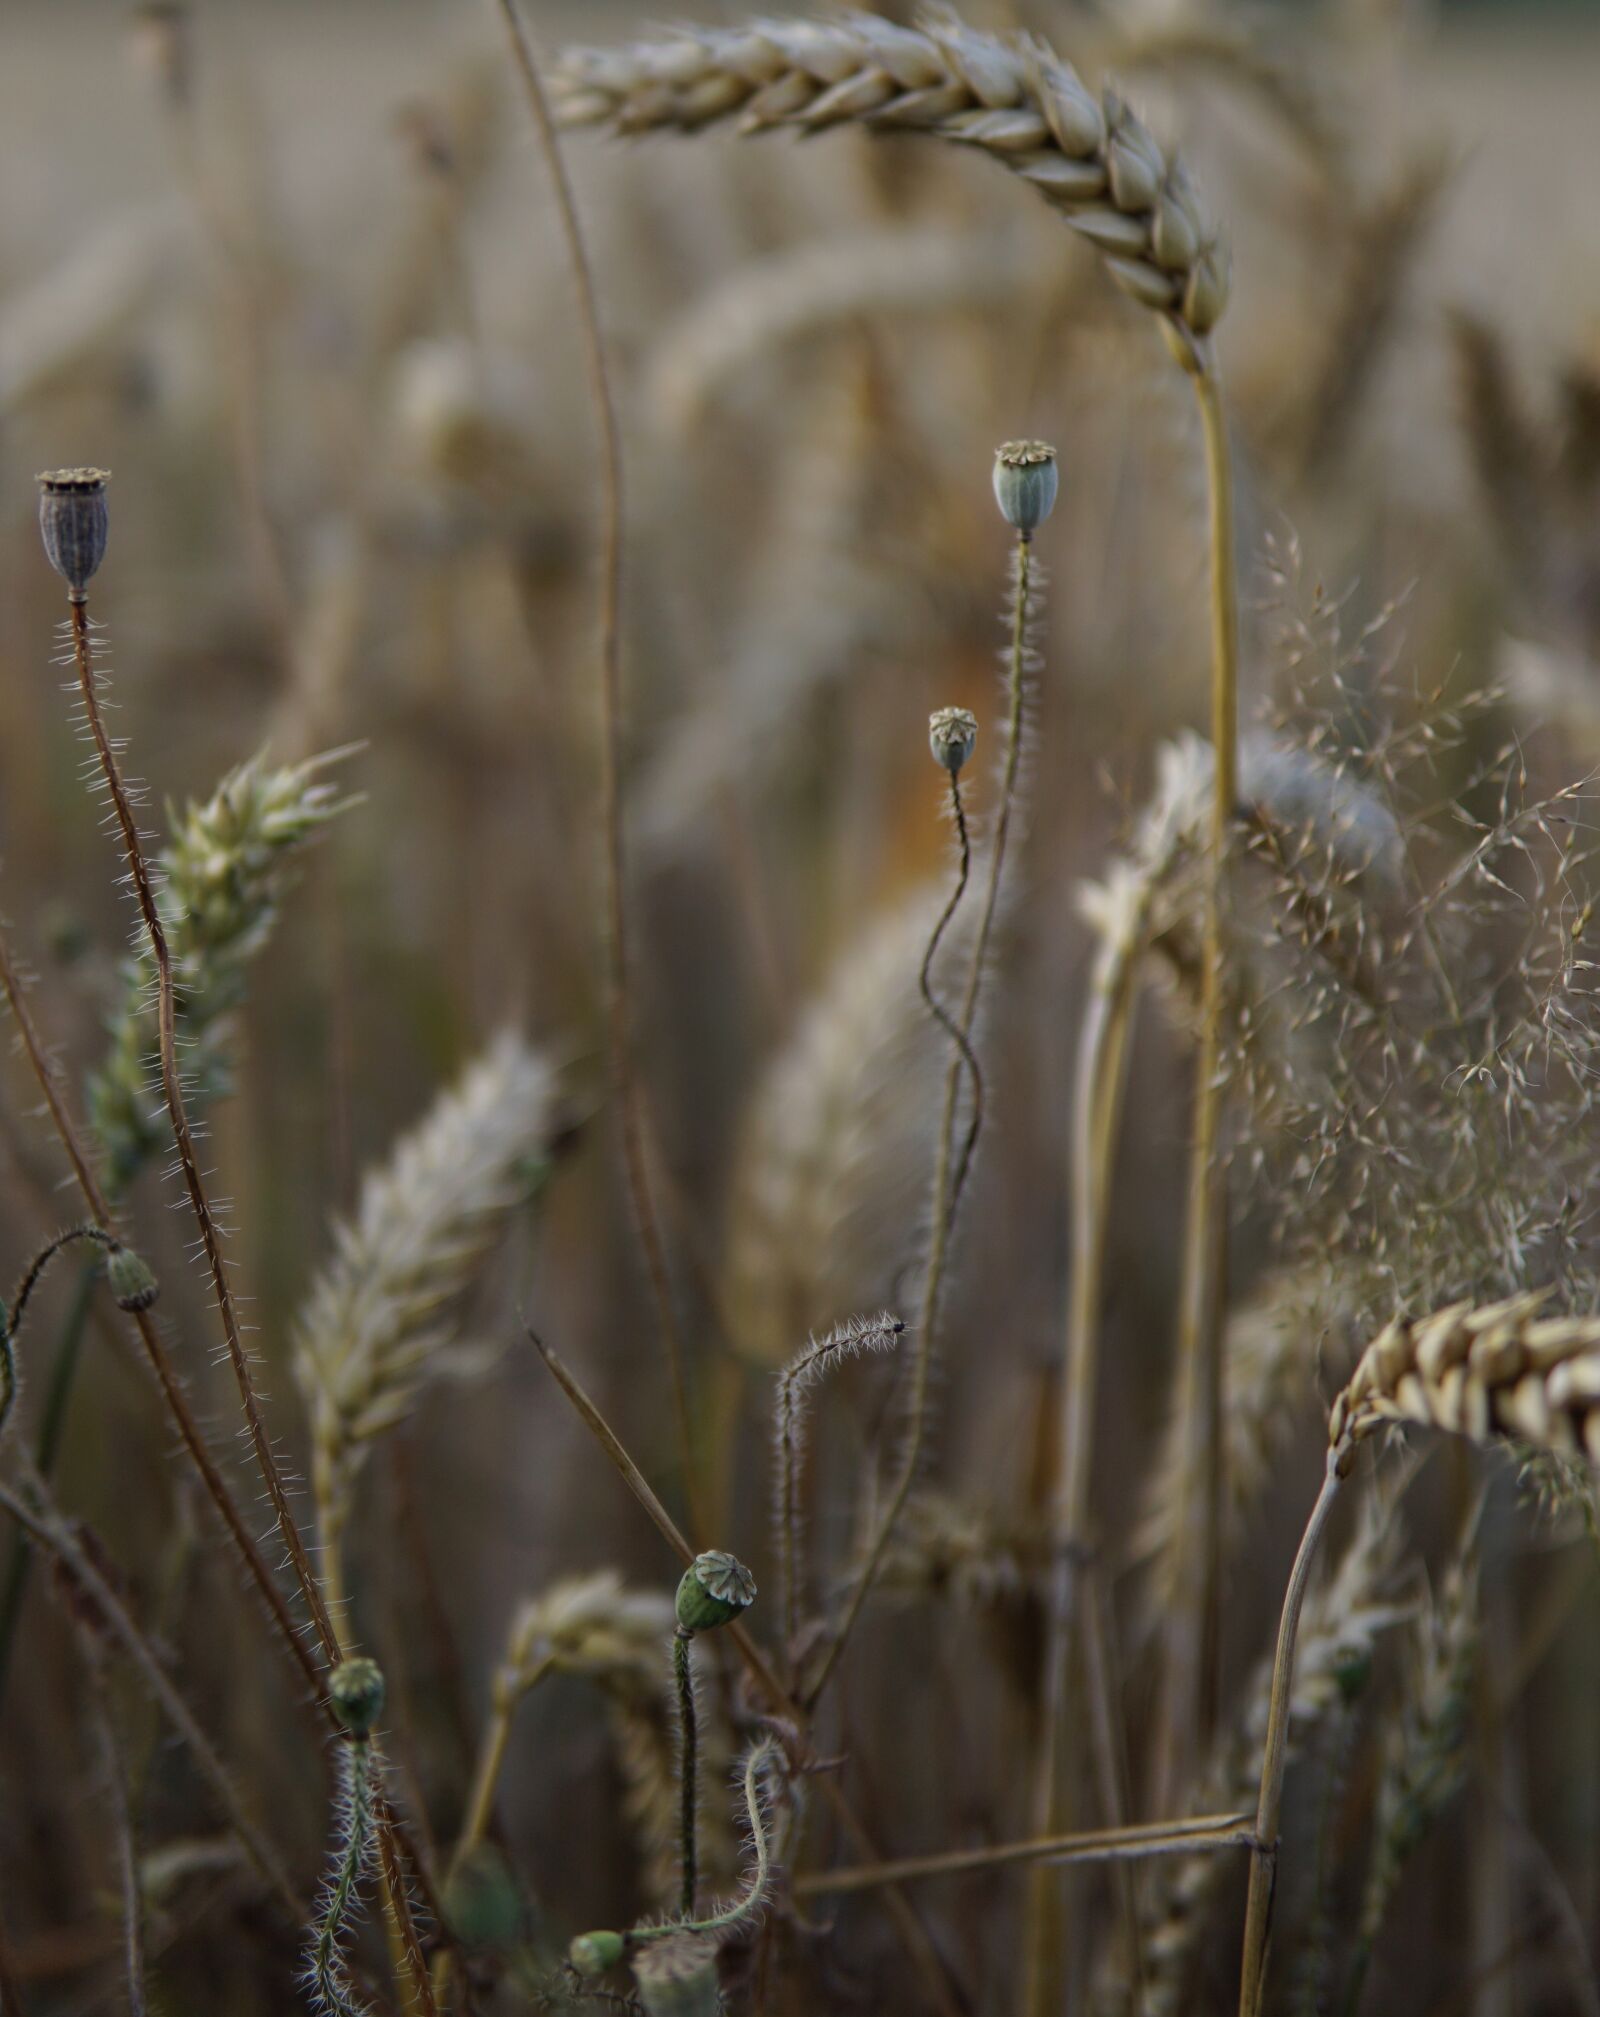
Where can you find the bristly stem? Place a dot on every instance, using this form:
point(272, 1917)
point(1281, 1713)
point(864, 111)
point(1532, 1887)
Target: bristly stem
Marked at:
point(1203, 1289)
point(116, 1774)
point(688, 1772)
point(951, 1166)
point(99, 1205)
point(805, 1370)
point(936, 1008)
point(355, 1831)
point(172, 1092)
point(1269, 1806)
point(617, 952)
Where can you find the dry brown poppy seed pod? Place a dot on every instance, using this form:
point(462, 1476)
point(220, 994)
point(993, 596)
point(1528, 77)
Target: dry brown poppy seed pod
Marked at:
point(73, 523)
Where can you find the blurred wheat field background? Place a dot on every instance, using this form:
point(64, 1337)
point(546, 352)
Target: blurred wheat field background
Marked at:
point(1020, 1479)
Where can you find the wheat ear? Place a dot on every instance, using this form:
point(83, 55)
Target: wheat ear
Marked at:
point(1016, 101)
point(1497, 1370)
point(375, 1325)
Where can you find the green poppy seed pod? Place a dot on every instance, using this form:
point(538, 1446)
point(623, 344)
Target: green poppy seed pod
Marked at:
point(73, 523)
point(715, 1587)
point(677, 1977)
point(133, 1286)
point(1025, 484)
point(355, 1688)
point(952, 736)
point(593, 1953)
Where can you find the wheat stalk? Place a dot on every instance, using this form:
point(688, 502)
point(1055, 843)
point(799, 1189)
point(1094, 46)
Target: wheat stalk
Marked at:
point(1016, 101)
point(374, 1329)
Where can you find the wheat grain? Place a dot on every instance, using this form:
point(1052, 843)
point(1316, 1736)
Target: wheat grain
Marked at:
point(1014, 100)
point(1499, 1369)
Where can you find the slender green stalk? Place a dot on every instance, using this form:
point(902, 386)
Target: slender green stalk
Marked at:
point(1264, 1855)
point(951, 1166)
point(619, 1009)
point(1187, 1680)
point(1098, 1093)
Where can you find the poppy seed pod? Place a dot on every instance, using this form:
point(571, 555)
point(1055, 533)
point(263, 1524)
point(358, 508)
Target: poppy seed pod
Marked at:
point(715, 1588)
point(356, 1690)
point(1025, 484)
point(73, 523)
point(133, 1285)
point(952, 736)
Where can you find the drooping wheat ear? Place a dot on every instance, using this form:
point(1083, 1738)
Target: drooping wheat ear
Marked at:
point(1498, 1370)
point(1014, 100)
point(375, 1326)
point(804, 1372)
point(1277, 1344)
point(1425, 1754)
point(218, 882)
point(1341, 1623)
point(828, 1174)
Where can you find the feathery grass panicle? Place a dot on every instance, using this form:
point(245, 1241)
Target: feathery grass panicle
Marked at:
point(828, 1173)
point(218, 883)
point(805, 1372)
point(1015, 100)
point(376, 1324)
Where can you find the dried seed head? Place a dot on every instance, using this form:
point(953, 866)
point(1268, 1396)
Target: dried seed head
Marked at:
point(72, 520)
point(355, 1688)
point(1025, 483)
point(952, 736)
point(715, 1588)
point(593, 1953)
point(677, 1977)
point(133, 1285)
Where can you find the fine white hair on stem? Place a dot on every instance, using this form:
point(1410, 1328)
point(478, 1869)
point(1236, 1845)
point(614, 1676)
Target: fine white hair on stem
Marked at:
point(805, 1372)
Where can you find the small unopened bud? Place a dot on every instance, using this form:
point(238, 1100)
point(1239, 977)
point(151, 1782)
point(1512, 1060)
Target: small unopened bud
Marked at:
point(952, 736)
point(72, 520)
point(715, 1588)
point(1025, 484)
point(133, 1286)
point(355, 1687)
point(593, 1953)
